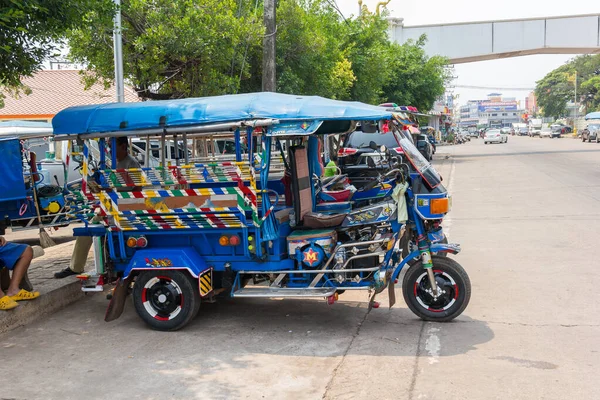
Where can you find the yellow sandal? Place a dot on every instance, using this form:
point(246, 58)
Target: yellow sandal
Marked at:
point(25, 295)
point(6, 303)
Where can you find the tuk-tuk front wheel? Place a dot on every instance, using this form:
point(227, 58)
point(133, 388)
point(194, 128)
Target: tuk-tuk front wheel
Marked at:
point(453, 282)
point(166, 300)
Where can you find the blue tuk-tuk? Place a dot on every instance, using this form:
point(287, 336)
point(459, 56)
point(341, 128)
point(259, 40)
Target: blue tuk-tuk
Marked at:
point(190, 232)
point(34, 187)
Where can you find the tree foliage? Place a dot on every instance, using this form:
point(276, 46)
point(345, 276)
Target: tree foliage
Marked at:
point(31, 31)
point(558, 86)
point(415, 79)
point(183, 48)
point(171, 49)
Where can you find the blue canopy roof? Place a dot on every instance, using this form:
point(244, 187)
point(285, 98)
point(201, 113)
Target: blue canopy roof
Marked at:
point(209, 110)
point(593, 115)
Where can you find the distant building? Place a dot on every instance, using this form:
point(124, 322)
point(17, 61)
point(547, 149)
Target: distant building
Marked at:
point(531, 103)
point(495, 112)
point(54, 90)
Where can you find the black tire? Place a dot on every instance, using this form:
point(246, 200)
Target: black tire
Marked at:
point(180, 304)
point(450, 277)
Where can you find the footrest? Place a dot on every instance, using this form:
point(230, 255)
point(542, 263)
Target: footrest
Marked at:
point(283, 292)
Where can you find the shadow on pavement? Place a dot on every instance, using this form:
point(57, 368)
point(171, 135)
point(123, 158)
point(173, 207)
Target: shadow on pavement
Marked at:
point(228, 344)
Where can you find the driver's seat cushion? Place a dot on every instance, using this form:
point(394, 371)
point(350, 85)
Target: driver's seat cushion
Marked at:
point(315, 220)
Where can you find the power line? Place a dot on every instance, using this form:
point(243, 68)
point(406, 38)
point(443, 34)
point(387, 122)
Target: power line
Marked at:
point(491, 87)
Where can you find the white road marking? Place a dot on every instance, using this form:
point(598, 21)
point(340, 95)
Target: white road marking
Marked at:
point(433, 345)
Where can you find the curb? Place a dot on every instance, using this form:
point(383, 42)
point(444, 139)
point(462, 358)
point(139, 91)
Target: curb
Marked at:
point(50, 301)
point(55, 294)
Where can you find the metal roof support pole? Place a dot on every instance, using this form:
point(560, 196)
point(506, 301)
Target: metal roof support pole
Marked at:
point(118, 50)
point(147, 157)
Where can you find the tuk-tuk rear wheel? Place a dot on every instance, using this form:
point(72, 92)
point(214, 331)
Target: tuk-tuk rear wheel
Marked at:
point(167, 300)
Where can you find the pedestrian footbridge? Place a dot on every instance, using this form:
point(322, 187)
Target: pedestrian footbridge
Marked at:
point(488, 40)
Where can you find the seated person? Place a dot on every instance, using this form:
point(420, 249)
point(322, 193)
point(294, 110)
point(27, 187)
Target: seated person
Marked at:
point(17, 258)
point(83, 244)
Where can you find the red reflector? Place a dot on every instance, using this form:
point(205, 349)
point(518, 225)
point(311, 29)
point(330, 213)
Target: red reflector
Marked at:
point(234, 240)
point(346, 151)
point(399, 150)
point(142, 242)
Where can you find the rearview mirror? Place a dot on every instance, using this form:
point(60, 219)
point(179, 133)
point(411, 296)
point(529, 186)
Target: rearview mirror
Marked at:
point(373, 145)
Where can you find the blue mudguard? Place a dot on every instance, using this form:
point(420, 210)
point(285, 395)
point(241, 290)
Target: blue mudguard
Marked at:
point(434, 248)
point(166, 258)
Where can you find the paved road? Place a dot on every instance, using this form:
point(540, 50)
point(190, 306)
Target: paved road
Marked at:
point(527, 215)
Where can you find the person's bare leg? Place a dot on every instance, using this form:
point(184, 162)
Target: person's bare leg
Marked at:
point(19, 271)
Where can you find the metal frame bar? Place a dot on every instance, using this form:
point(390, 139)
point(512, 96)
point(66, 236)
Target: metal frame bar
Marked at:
point(192, 131)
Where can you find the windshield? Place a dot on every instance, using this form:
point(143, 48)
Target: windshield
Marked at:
point(358, 139)
point(594, 127)
point(420, 164)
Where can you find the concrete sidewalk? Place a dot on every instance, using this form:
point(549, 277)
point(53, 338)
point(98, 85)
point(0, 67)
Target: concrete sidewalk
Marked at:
point(55, 293)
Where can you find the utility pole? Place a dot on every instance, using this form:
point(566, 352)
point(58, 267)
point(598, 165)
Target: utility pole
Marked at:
point(575, 118)
point(118, 47)
point(268, 77)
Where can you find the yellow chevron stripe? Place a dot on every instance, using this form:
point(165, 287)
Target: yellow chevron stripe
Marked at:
point(203, 289)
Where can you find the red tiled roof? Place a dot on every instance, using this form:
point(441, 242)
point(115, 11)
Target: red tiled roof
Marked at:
point(54, 90)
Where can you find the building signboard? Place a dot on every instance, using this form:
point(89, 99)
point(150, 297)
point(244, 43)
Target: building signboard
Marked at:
point(490, 106)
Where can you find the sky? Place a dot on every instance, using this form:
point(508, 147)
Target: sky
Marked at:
point(517, 72)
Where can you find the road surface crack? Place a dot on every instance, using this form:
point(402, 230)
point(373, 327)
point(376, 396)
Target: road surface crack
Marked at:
point(337, 367)
point(415, 374)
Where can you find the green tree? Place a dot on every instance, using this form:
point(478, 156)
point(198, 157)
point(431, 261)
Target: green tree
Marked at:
point(32, 30)
point(415, 79)
point(590, 90)
point(554, 91)
point(183, 48)
point(310, 50)
point(368, 50)
point(558, 86)
point(172, 49)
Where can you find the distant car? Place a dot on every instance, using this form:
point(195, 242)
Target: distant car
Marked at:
point(523, 131)
point(591, 132)
point(355, 149)
point(504, 133)
point(563, 129)
point(493, 136)
point(534, 131)
point(425, 148)
point(546, 132)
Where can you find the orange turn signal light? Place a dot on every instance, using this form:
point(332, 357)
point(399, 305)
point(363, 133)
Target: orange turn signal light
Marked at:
point(224, 240)
point(131, 242)
point(439, 206)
